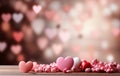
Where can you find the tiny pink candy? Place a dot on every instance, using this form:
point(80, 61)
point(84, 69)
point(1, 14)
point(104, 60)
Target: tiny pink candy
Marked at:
point(87, 70)
point(95, 61)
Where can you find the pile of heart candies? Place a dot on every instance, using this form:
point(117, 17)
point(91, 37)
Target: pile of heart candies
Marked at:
point(68, 65)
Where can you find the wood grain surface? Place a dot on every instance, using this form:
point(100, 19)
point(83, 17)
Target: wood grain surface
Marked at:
point(14, 71)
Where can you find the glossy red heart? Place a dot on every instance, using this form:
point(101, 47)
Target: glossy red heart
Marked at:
point(25, 67)
point(18, 36)
point(84, 64)
point(64, 63)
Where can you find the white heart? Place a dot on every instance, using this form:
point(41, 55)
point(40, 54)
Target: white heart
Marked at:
point(76, 62)
point(38, 25)
point(17, 17)
point(37, 8)
point(3, 45)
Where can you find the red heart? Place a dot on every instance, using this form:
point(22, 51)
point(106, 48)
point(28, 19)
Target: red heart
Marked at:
point(25, 67)
point(18, 36)
point(6, 17)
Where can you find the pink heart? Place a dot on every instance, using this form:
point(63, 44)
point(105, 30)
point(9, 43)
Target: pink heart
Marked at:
point(16, 49)
point(6, 17)
point(116, 31)
point(18, 36)
point(25, 67)
point(57, 48)
point(64, 64)
point(64, 35)
point(42, 43)
point(37, 8)
point(3, 45)
point(51, 33)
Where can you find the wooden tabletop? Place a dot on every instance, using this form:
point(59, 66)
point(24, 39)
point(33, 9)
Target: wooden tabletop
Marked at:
point(13, 70)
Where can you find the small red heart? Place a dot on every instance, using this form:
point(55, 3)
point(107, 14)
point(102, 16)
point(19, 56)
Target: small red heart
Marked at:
point(18, 36)
point(25, 67)
point(84, 64)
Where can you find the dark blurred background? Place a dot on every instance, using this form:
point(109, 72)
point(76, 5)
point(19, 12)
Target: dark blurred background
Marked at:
point(42, 30)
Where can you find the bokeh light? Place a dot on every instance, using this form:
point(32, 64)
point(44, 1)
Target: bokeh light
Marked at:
point(42, 30)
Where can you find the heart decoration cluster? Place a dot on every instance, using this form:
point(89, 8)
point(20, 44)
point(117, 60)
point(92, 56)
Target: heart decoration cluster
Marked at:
point(17, 17)
point(15, 49)
point(68, 65)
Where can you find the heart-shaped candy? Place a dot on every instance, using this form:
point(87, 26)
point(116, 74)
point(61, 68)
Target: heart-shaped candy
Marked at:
point(25, 67)
point(65, 64)
point(76, 62)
